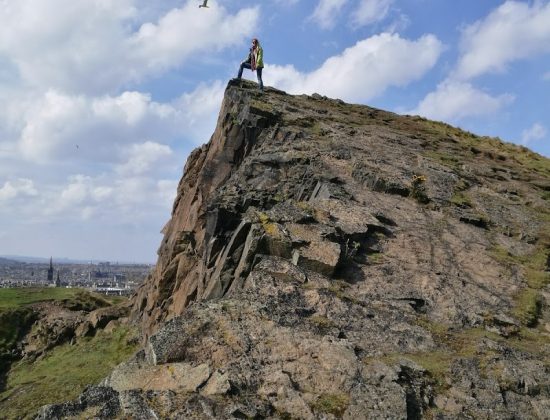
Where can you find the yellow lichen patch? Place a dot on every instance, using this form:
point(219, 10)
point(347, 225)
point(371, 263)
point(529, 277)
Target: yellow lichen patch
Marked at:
point(271, 228)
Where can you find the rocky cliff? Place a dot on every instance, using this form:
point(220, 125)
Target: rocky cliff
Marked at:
point(327, 260)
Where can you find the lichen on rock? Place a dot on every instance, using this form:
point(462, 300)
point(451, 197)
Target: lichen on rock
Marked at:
point(326, 260)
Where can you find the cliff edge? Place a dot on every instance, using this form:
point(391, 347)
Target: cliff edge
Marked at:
point(328, 260)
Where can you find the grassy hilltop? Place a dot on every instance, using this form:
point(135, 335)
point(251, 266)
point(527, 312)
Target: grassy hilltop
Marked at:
point(62, 372)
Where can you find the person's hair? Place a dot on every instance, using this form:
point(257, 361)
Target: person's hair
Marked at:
point(255, 40)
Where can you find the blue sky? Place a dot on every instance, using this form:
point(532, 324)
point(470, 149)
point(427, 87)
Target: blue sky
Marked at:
point(102, 101)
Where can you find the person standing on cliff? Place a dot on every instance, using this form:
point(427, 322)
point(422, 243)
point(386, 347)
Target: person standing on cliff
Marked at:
point(254, 62)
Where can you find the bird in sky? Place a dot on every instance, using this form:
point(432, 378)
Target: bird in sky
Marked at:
point(203, 4)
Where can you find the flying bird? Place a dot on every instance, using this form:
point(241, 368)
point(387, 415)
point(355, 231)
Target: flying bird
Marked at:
point(203, 4)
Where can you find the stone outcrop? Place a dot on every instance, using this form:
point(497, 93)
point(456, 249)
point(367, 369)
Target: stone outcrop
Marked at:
point(326, 260)
point(58, 323)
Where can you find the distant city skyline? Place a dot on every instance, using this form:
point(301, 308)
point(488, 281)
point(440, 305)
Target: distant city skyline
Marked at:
point(66, 260)
point(103, 101)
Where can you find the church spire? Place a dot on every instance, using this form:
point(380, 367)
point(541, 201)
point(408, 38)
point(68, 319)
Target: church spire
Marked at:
point(50, 271)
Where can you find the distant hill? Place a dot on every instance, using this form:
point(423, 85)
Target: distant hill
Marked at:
point(64, 260)
point(6, 261)
point(24, 259)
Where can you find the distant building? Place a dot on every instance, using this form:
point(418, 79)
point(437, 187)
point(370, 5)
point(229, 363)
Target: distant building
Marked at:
point(57, 281)
point(50, 272)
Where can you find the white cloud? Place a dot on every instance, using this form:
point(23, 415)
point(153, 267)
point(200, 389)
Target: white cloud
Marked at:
point(365, 70)
point(57, 126)
point(76, 192)
point(141, 157)
point(546, 76)
point(61, 126)
point(326, 12)
point(533, 133)
point(107, 197)
point(167, 189)
point(182, 32)
point(106, 158)
point(102, 193)
point(199, 109)
point(399, 23)
point(17, 187)
point(453, 101)
point(513, 31)
point(92, 46)
point(370, 11)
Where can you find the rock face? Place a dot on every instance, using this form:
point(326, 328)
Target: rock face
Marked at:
point(56, 324)
point(326, 260)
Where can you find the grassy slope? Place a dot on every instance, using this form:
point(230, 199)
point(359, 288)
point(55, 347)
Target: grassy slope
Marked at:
point(64, 373)
point(66, 370)
point(16, 297)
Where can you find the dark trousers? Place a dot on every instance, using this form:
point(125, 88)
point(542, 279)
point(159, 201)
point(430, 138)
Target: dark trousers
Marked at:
point(258, 73)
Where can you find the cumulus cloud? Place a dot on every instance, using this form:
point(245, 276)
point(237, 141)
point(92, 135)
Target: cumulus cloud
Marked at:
point(99, 46)
point(59, 126)
point(141, 157)
point(182, 32)
point(454, 101)
point(109, 159)
point(536, 132)
point(515, 30)
point(107, 198)
point(326, 12)
point(17, 187)
point(370, 11)
point(199, 109)
point(167, 191)
point(364, 70)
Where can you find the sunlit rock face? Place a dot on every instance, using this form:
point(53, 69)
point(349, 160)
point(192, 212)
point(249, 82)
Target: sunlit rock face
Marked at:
point(327, 260)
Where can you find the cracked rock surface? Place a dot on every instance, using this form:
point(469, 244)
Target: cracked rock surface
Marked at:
point(326, 260)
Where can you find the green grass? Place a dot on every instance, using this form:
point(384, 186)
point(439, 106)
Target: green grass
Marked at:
point(529, 302)
point(537, 279)
point(16, 297)
point(455, 344)
point(461, 199)
point(445, 158)
point(375, 258)
point(335, 404)
point(64, 373)
point(16, 320)
point(14, 324)
point(528, 307)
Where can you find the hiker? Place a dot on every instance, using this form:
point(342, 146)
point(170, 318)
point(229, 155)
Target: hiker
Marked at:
point(255, 61)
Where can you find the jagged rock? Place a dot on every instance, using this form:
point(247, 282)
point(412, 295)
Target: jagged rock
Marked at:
point(314, 252)
point(101, 317)
point(112, 326)
point(95, 402)
point(85, 329)
point(218, 384)
point(55, 326)
point(178, 377)
point(503, 325)
point(359, 265)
